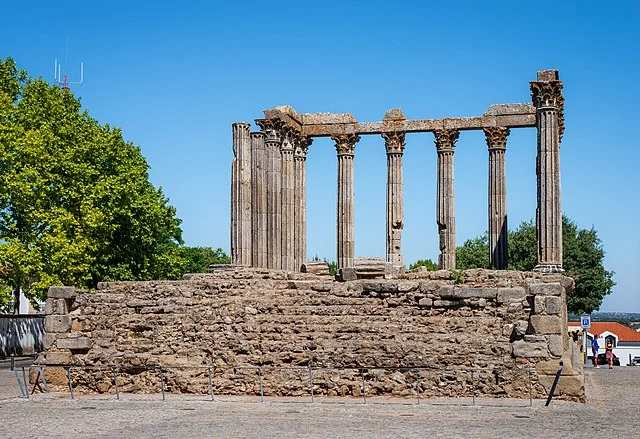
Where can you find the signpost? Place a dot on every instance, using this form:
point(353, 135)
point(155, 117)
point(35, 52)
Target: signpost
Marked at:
point(585, 324)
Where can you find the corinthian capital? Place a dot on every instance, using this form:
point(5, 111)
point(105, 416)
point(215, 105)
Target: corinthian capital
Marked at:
point(345, 143)
point(394, 142)
point(446, 140)
point(547, 94)
point(302, 147)
point(272, 129)
point(496, 137)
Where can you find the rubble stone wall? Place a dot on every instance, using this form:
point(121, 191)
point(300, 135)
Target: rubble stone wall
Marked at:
point(249, 325)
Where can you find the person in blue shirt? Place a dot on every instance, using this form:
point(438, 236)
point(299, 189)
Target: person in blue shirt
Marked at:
point(594, 350)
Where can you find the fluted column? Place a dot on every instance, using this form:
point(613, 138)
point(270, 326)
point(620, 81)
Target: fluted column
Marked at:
point(497, 144)
point(241, 195)
point(259, 200)
point(287, 198)
point(272, 142)
point(546, 93)
point(394, 144)
point(300, 200)
point(345, 147)
point(445, 205)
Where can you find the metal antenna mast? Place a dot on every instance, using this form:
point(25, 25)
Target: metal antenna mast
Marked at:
point(61, 79)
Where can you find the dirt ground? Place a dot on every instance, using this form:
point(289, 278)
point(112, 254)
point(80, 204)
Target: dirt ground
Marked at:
point(612, 409)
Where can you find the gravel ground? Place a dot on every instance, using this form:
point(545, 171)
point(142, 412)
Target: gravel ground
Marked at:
point(612, 410)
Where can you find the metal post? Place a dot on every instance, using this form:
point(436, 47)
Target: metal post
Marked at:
point(364, 388)
point(553, 386)
point(115, 382)
point(210, 384)
point(261, 389)
point(162, 384)
point(44, 380)
point(70, 383)
point(26, 382)
point(19, 383)
point(418, 385)
point(311, 383)
point(530, 387)
point(473, 388)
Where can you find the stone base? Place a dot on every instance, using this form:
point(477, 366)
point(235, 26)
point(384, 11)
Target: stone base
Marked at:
point(549, 268)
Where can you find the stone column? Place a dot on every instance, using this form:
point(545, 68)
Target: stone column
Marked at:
point(241, 195)
point(497, 143)
point(272, 142)
point(345, 146)
point(394, 144)
point(300, 200)
point(445, 205)
point(259, 200)
point(546, 93)
point(287, 198)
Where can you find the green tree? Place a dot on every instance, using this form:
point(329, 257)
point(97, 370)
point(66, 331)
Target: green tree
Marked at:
point(199, 258)
point(76, 204)
point(583, 257)
point(427, 263)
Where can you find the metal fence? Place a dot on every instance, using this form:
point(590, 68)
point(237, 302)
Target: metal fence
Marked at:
point(303, 384)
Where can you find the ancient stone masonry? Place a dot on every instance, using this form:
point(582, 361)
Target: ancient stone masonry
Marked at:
point(268, 190)
point(510, 326)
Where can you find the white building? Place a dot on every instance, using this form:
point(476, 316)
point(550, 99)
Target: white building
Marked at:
point(626, 341)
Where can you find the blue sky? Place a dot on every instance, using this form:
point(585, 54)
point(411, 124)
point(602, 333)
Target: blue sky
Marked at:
point(175, 77)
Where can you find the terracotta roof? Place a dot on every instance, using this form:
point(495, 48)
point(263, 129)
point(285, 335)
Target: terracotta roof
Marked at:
point(624, 333)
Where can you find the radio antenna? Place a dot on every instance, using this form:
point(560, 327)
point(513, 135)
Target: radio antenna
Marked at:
point(63, 80)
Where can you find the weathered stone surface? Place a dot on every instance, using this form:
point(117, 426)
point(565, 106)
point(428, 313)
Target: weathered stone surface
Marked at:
point(61, 292)
point(522, 348)
point(327, 118)
point(553, 305)
point(57, 323)
point(58, 357)
point(545, 289)
point(542, 324)
point(568, 386)
point(465, 293)
point(425, 302)
point(76, 343)
point(48, 339)
point(346, 274)
point(555, 345)
point(540, 304)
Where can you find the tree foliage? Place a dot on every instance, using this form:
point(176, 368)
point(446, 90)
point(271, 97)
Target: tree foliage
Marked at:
point(199, 258)
point(427, 263)
point(583, 257)
point(76, 204)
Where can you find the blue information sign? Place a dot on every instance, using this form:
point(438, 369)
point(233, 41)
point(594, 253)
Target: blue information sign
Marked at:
point(585, 321)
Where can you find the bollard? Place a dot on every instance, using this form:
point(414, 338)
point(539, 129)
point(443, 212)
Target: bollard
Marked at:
point(70, 384)
point(44, 380)
point(261, 389)
point(311, 383)
point(115, 382)
point(26, 382)
point(162, 384)
point(418, 385)
point(20, 386)
point(210, 384)
point(553, 386)
point(364, 389)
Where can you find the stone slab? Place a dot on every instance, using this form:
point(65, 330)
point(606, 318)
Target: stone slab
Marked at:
point(57, 323)
point(62, 292)
point(542, 324)
point(524, 349)
point(508, 295)
point(546, 289)
point(77, 343)
point(474, 293)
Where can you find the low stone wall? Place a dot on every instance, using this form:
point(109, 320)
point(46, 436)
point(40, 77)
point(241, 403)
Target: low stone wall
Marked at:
point(509, 327)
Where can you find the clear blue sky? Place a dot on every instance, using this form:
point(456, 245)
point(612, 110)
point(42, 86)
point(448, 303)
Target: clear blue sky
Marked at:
point(175, 77)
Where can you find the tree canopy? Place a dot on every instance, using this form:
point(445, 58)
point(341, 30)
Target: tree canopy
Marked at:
point(76, 204)
point(583, 257)
point(199, 258)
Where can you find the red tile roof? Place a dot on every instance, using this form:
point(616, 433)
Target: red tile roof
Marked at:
point(624, 333)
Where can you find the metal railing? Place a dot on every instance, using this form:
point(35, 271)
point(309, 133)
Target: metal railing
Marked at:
point(309, 378)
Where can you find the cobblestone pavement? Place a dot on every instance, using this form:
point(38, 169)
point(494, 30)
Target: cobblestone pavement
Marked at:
point(612, 410)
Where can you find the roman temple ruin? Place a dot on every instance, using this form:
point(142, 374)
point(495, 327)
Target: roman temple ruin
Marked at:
point(268, 180)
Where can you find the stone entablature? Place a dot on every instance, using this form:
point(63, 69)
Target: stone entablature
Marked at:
point(280, 243)
point(500, 322)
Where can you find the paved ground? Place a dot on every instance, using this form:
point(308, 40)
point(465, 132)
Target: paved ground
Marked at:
point(612, 410)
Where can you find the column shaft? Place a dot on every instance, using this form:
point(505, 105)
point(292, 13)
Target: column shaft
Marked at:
point(547, 96)
point(345, 147)
point(497, 143)
point(259, 201)
point(445, 205)
point(287, 199)
point(300, 201)
point(241, 211)
point(394, 143)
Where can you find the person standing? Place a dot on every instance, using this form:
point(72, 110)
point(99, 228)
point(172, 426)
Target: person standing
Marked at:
point(608, 348)
point(594, 350)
